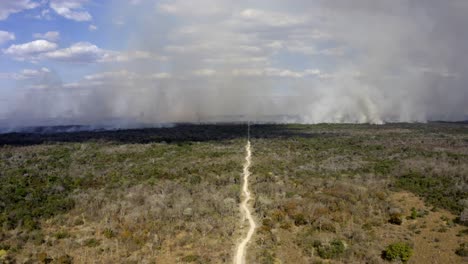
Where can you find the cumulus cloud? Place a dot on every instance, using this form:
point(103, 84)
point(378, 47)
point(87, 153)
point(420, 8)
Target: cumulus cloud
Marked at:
point(92, 28)
point(195, 8)
point(50, 36)
point(83, 52)
point(80, 52)
point(6, 36)
point(275, 72)
point(273, 19)
point(31, 73)
point(30, 50)
point(71, 9)
point(204, 72)
point(299, 60)
point(10, 7)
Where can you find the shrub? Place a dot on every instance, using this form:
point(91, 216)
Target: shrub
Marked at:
point(414, 214)
point(42, 257)
point(3, 253)
point(61, 235)
point(108, 233)
point(463, 232)
point(462, 250)
point(65, 259)
point(334, 250)
point(437, 190)
point(397, 251)
point(92, 242)
point(192, 258)
point(395, 219)
point(299, 219)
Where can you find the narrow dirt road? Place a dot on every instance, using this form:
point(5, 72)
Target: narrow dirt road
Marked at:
point(245, 210)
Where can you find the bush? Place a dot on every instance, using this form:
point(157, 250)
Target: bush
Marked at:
point(395, 219)
point(65, 259)
point(397, 251)
point(414, 214)
point(108, 233)
point(299, 219)
point(462, 250)
point(437, 190)
point(62, 235)
point(334, 250)
point(92, 242)
point(3, 253)
point(42, 257)
point(192, 258)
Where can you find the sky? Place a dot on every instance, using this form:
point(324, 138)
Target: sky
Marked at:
point(159, 61)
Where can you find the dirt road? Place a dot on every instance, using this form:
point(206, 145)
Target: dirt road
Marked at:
point(245, 210)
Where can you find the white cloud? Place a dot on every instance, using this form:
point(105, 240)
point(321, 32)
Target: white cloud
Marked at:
point(71, 9)
point(114, 56)
point(92, 28)
point(273, 19)
point(31, 73)
point(81, 52)
point(195, 8)
point(51, 36)
point(6, 36)
point(204, 72)
point(117, 79)
point(45, 14)
point(111, 76)
point(30, 50)
point(276, 72)
point(300, 47)
point(85, 52)
point(162, 75)
point(8, 7)
point(124, 75)
point(26, 74)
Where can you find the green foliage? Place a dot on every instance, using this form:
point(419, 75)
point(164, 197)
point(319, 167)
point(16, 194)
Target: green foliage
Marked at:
point(92, 242)
point(335, 249)
point(414, 214)
point(462, 250)
point(3, 253)
point(384, 167)
point(463, 232)
point(440, 191)
point(33, 187)
point(108, 233)
point(299, 219)
point(398, 251)
point(192, 258)
point(37, 237)
point(61, 235)
point(267, 257)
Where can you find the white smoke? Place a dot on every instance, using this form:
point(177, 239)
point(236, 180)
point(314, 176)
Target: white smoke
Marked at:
point(362, 61)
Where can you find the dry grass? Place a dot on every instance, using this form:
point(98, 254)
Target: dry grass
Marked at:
point(323, 194)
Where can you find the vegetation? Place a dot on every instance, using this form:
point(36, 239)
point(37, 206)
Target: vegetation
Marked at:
point(438, 190)
point(462, 250)
point(335, 249)
point(398, 251)
point(338, 193)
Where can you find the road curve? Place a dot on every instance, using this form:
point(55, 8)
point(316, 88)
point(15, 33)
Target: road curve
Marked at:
point(245, 210)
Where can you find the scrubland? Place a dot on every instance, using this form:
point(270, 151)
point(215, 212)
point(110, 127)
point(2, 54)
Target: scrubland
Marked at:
point(322, 194)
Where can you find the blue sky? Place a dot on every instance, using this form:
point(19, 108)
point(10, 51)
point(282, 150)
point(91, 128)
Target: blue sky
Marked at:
point(175, 60)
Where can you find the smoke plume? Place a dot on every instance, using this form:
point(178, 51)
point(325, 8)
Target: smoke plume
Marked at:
point(361, 61)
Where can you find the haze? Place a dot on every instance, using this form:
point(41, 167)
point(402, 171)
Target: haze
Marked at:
point(127, 63)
